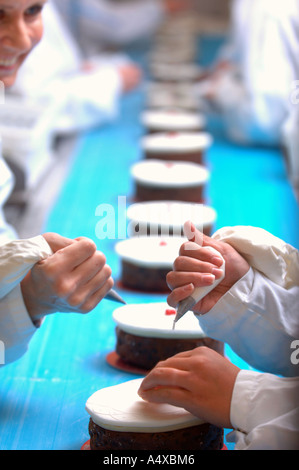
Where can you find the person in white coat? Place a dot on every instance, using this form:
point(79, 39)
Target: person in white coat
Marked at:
point(48, 273)
point(251, 82)
point(255, 310)
point(87, 95)
point(98, 23)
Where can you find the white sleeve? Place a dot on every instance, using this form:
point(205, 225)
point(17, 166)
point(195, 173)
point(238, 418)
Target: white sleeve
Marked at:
point(265, 412)
point(16, 327)
point(17, 257)
point(259, 320)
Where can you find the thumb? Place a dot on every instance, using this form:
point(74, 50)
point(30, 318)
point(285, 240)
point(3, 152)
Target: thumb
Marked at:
point(57, 242)
point(194, 235)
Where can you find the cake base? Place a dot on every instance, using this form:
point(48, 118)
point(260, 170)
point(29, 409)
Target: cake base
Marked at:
point(145, 352)
point(200, 437)
point(151, 193)
point(193, 157)
point(145, 279)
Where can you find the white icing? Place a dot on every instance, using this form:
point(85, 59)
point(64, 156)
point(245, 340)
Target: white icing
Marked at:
point(150, 320)
point(159, 173)
point(119, 408)
point(172, 214)
point(179, 72)
point(153, 251)
point(177, 142)
point(172, 120)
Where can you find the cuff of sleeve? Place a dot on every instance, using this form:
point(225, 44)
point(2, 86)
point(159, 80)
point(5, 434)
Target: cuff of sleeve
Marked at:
point(19, 328)
point(243, 394)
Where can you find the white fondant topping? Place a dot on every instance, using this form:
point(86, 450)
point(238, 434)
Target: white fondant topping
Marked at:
point(159, 173)
point(152, 321)
point(176, 142)
point(172, 120)
point(153, 251)
point(119, 408)
point(183, 72)
point(170, 214)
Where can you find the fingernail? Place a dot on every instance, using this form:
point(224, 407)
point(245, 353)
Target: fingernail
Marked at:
point(217, 261)
point(209, 278)
point(217, 272)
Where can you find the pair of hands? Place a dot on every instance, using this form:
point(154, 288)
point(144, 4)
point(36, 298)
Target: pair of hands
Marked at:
point(74, 279)
point(201, 380)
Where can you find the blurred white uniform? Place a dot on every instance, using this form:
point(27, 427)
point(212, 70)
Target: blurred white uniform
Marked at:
point(258, 318)
point(54, 71)
point(254, 97)
point(95, 23)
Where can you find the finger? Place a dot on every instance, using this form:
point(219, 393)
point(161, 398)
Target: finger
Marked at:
point(74, 254)
point(172, 395)
point(90, 268)
point(83, 297)
point(162, 376)
point(187, 264)
point(179, 294)
point(97, 296)
point(56, 241)
point(192, 251)
point(176, 279)
point(194, 235)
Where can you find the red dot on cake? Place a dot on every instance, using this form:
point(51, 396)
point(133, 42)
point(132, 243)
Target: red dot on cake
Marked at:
point(170, 311)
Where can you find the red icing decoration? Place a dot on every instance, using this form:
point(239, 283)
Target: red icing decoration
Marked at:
point(162, 243)
point(170, 311)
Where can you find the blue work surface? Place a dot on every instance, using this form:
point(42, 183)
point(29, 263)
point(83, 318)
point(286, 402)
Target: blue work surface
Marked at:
point(43, 394)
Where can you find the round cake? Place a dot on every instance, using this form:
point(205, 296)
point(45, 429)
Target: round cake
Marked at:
point(172, 120)
point(145, 334)
point(157, 180)
point(167, 218)
point(186, 146)
point(145, 261)
point(174, 73)
point(121, 420)
point(182, 96)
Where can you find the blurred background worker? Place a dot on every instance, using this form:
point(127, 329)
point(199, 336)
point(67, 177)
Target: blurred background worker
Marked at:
point(56, 71)
point(98, 23)
point(251, 82)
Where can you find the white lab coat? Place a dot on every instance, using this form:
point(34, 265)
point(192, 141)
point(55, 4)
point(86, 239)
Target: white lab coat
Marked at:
point(290, 139)
point(254, 97)
point(16, 327)
point(53, 71)
point(258, 317)
point(95, 23)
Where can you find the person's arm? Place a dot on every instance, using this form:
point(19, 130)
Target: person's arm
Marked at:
point(261, 408)
point(256, 316)
point(265, 412)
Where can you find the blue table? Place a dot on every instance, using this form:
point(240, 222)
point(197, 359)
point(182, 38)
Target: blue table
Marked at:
point(43, 394)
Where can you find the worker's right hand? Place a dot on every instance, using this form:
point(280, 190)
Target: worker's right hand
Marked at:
point(74, 279)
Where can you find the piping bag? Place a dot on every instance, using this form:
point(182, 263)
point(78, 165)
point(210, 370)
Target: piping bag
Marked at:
point(199, 293)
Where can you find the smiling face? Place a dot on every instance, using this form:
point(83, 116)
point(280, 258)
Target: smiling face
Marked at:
point(21, 28)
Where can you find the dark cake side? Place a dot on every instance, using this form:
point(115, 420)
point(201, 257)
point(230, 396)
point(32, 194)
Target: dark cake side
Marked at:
point(145, 352)
point(200, 437)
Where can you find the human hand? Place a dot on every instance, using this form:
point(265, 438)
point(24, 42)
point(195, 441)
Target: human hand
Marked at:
point(74, 279)
point(197, 266)
point(201, 381)
point(130, 75)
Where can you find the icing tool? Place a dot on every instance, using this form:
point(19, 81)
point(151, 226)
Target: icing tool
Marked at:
point(199, 293)
point(112, 295)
